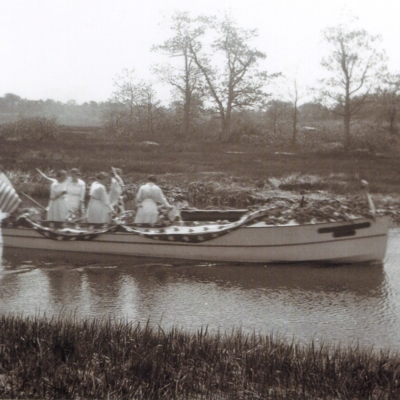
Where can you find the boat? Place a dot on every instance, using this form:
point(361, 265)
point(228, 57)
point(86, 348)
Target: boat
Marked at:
point(249, 239)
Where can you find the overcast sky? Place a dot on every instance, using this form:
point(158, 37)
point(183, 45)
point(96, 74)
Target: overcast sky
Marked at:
point(73, 49)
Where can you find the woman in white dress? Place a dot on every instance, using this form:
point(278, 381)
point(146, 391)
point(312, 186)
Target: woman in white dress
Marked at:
point(147, 198)
point(99, 210)
point(58, 209)
point(117, 184)
point(76, 189)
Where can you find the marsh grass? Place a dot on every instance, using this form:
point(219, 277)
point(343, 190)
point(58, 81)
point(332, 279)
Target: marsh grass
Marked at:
point(70, 358)
point(207, 174)
point(221, 190)
point(191, 160)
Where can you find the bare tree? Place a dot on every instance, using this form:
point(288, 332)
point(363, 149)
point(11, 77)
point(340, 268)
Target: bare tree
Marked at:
point(186, 77)
point(131, 109)
point(278, 115)
point(239, 83)
point(146, 104)
point(124, 95)
point(294, 93)
point(355, 64)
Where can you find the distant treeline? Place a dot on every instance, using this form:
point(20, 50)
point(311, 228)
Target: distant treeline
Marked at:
point(157, 122)
point(316, 125)
point(12, 107)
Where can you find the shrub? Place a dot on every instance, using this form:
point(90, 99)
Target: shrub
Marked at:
point(31, 128)
point(373, 138)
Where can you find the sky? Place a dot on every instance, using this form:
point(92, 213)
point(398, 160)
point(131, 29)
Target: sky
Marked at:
point(73, 49)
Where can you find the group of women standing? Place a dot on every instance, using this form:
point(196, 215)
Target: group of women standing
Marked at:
point(67, 196)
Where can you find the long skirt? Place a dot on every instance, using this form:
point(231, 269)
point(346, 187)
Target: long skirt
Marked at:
point(74, 203)
point(98, 212)
point(57, 210)
point(147, 212)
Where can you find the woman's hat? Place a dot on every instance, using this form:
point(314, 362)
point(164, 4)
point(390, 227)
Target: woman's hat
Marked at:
point(102, 175)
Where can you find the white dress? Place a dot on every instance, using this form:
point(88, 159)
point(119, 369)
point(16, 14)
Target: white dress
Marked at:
point(98, 211)
point(147, 198)
point(115, 191)
point(58, 209)
point(75, 195)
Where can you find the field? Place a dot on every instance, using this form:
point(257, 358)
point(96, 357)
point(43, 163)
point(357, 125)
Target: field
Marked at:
point(192, 159)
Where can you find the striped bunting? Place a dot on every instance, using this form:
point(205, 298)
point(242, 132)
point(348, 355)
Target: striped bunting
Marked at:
point(185, 233)
point(9, 199)
point(58, 230)
point(4, 179)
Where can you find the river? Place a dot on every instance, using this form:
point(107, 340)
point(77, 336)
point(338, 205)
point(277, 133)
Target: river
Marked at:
point(345, 304)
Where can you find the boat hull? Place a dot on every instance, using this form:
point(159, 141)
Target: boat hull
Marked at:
point(362, 240)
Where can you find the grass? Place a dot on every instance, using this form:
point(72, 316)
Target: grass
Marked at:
point(206, 174)
point(219, 190)
point(70, 358)
point(189, 161)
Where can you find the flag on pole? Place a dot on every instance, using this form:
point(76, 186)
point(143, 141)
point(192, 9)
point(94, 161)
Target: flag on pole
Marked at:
point(4, 179)
point(9, 199)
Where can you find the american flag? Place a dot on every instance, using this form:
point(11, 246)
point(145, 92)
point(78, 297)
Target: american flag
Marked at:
point(9, 199)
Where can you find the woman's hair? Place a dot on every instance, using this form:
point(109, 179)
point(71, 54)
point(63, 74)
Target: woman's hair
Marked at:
point(60, 173)
point(152, 178)
point(102, 175)
point(75, 171)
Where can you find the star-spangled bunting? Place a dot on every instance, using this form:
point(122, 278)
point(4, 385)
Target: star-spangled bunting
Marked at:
point(185, 232)
point(57, 230)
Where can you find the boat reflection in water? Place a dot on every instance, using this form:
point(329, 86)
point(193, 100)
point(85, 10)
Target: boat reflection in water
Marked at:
point(343, 304)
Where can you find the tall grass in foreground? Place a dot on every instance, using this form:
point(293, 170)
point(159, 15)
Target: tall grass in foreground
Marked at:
point(65, 358)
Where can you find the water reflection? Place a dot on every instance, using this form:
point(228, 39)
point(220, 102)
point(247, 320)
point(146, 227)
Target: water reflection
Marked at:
point(346, 304)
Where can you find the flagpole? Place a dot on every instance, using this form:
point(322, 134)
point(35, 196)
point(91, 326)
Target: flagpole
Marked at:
point(34, 201)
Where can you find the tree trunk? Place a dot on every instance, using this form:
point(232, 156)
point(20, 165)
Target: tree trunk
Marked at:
point(294, 139)
point(186, 117)
point(392, 119)
point(346, 122)
point(225, 127)
point(347, 117)
point(188, 97)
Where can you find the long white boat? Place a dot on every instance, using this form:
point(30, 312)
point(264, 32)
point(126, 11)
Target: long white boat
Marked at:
point(249, 240)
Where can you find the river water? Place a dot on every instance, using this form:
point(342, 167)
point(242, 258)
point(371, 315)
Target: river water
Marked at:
point(346, 304)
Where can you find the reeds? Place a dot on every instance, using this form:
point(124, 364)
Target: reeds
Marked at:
point(224, 191)
point(70, 358)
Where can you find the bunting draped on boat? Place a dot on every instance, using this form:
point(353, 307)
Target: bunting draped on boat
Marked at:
point(57, 231)
point(187, 233)
point(192, 233)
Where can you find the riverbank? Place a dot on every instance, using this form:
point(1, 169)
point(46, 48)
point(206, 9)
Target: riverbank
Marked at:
point(261, 166)
point(303, 198)
point(211, 175)
point(67, 358)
